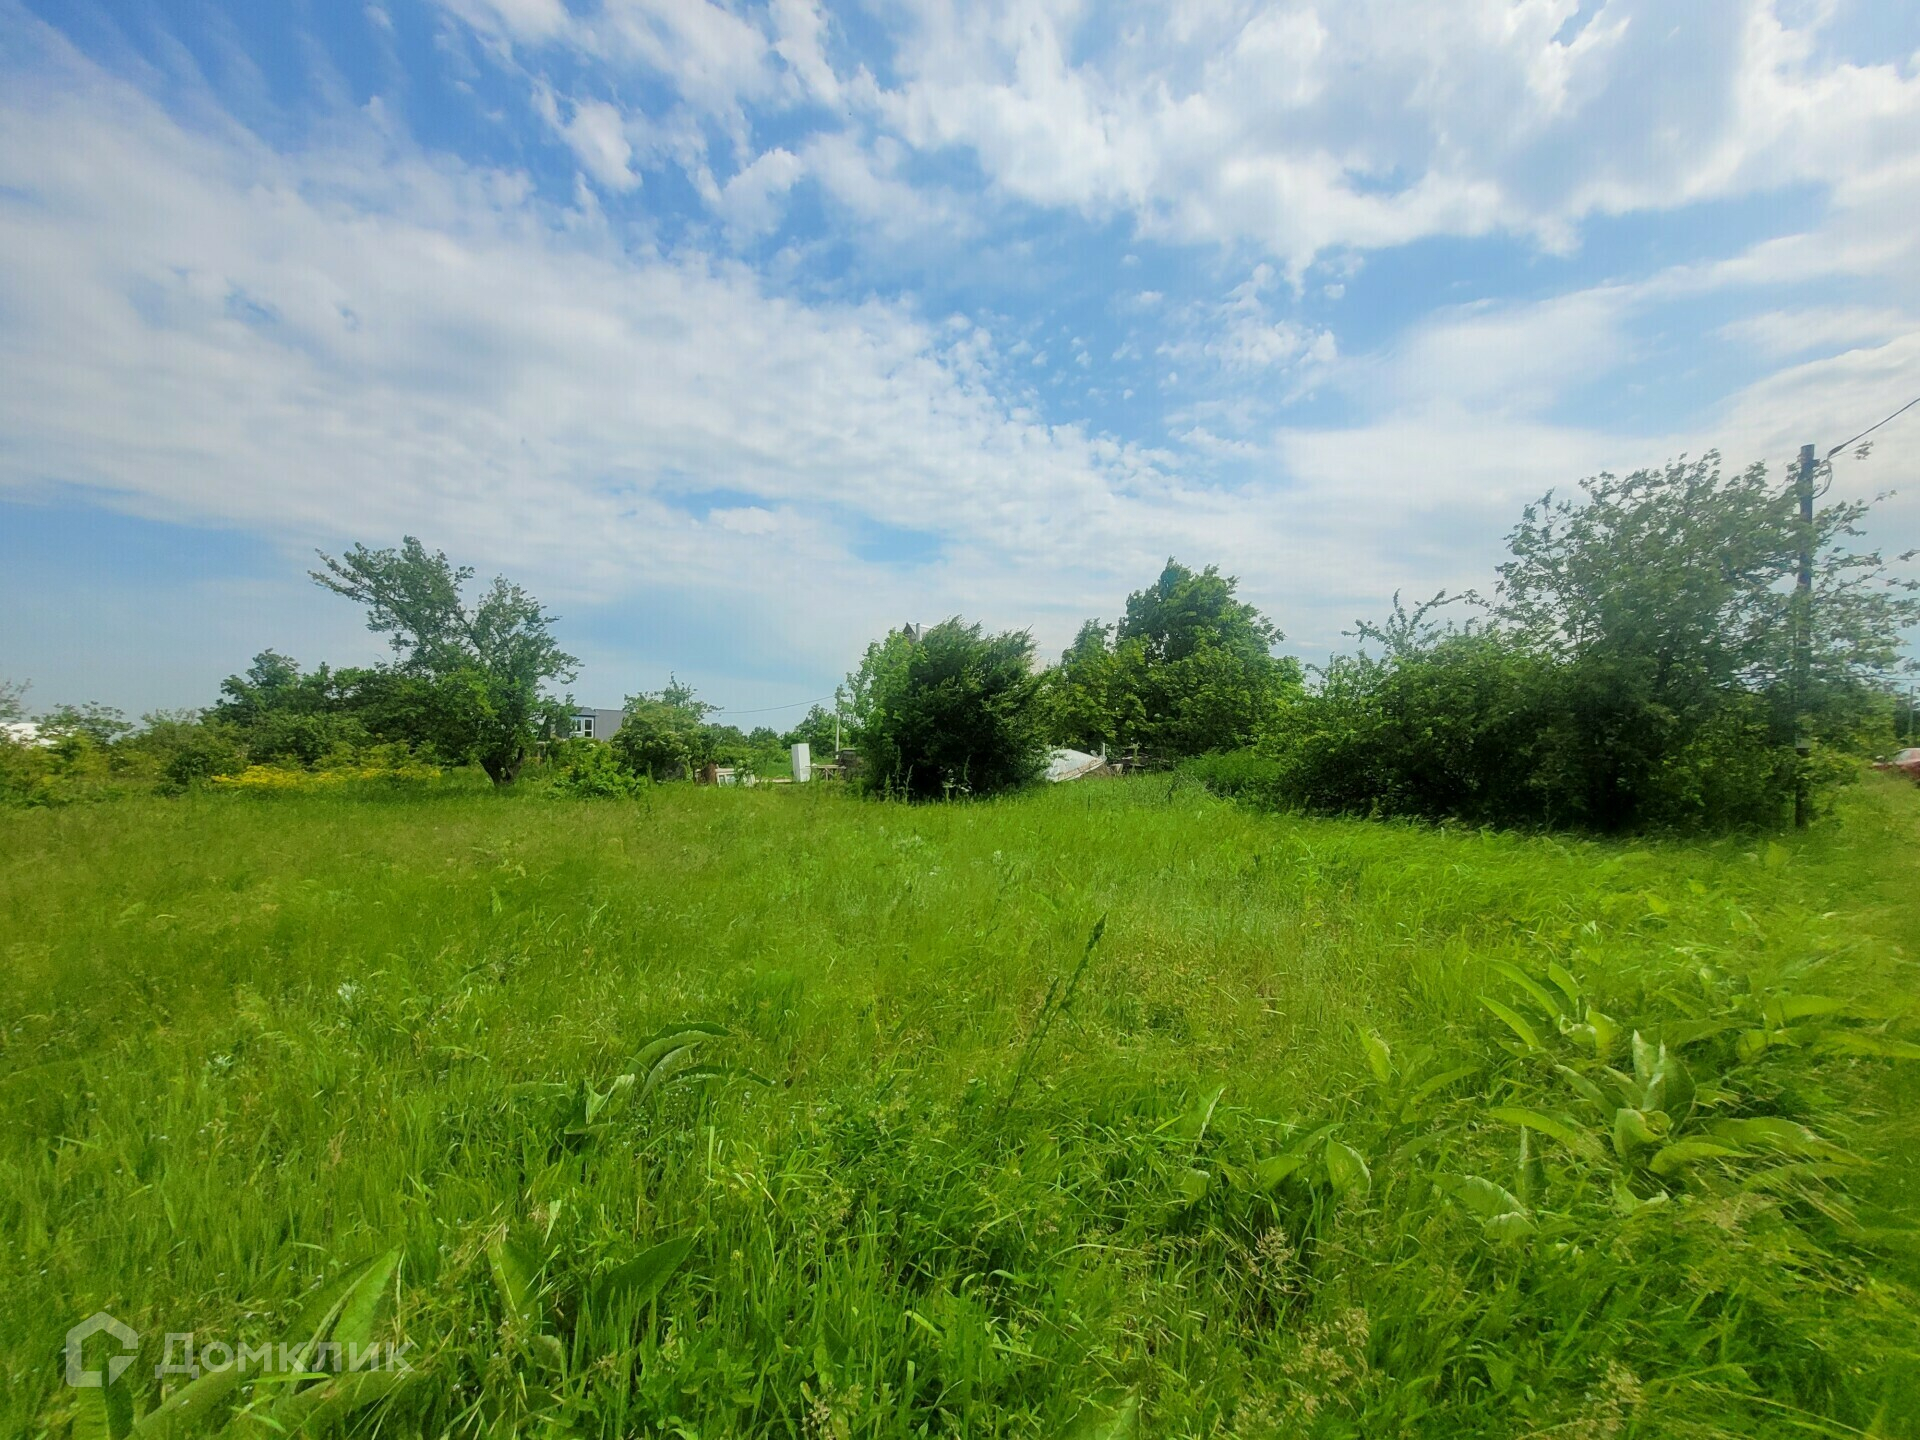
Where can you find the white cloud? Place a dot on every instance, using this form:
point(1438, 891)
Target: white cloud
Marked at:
point(338, 345)
point(354, 342)
point(1302, 128)
point(750, 201)
point(801, 28)
point(596, 133)
point(1504, 359)
point(1780, 334)
point(526, 20)
point(746, 520)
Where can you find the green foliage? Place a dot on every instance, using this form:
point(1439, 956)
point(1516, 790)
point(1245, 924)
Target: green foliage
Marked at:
point(1637, 674)
point(668, 736)
point(1666, 601)
point(1260, 1162)
point(588, 770)
point(953, 711)
point(24, 774)
point(100, 724)
point(663, 736)
point(1188, 669)
point(286, 717)
point(1676, 585)
point(185, 748)
point(1250, 775)
point(818, 730)
point(466, 681)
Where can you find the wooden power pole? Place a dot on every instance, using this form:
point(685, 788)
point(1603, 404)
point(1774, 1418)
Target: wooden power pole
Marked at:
point(1803, 636)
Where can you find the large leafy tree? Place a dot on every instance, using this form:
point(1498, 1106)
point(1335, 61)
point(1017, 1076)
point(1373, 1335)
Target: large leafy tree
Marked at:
point(949, 710)
point(1186, 611)
point(1670, 597)
point(466, 677)
point(1188, 668)
point(1648, 664)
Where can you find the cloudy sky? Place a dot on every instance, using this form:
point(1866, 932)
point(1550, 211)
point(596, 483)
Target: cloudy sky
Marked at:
point(740, 332)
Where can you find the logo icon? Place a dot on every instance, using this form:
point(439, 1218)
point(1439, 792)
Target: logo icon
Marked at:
point(77, 1337)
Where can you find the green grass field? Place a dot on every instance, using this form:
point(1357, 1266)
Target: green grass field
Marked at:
point(1259, 1160)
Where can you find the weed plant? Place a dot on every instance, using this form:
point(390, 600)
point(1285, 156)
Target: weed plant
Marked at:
point(1113, 1109)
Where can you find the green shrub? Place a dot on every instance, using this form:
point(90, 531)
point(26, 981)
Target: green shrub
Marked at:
point(1480, 724)
point(588, 770)
point(953, 711)
point(25, 773)
point(1239, 775)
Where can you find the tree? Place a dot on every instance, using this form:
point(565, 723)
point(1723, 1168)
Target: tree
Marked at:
point(471, 676)
point(951, 710)
point(13, 700)
point(663, 736)
point(186, 747)
point(817, 729)
point(1668, 598)
point(282, 714)
point(1183, 612)
point(272, 682)
point(100, 724)
point(1638, 670)
point(1188, 669)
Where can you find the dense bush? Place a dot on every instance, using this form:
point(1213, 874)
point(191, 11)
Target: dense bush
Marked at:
point(185, 748)
point(1249, 774)
point(1475, 725)
point(949, 711)
point(1646, 664)
point(589, 770)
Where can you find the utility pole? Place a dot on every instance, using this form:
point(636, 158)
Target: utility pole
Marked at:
point(1803, 637)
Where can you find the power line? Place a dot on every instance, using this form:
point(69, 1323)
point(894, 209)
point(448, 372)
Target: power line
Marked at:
point(723, 710)
point(1873, 427)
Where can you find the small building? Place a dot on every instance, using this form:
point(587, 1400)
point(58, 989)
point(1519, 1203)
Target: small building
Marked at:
point(597, 724)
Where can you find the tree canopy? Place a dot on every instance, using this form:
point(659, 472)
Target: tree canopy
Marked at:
point(1636, 668)
point(468, 677)
point(1189, 668)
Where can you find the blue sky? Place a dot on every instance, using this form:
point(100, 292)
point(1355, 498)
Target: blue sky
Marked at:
point(740, 333)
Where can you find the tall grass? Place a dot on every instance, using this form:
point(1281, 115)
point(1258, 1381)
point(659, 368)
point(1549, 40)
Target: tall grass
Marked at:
point(1303, 1145)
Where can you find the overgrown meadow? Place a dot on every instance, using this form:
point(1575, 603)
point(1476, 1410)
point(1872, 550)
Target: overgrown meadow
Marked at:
point(1109, 1110)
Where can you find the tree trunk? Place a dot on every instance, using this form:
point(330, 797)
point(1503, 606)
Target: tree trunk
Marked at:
point(503, 770)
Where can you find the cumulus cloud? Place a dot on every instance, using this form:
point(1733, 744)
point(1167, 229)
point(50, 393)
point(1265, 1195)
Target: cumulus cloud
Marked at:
point(1301, 128)
point(357, 338)
point(351, 345)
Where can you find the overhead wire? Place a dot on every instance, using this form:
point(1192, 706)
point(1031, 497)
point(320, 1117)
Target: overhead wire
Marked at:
point(1873, 427)
point(770, 709)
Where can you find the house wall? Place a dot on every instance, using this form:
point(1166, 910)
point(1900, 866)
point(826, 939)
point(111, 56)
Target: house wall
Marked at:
point(605, 722)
